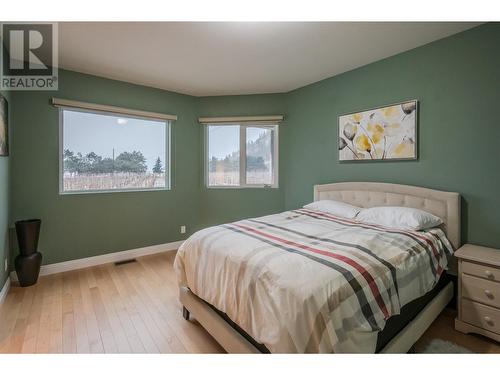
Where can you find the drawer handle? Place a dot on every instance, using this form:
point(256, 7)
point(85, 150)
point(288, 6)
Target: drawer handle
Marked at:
point(489, 294)
point(488, 320)
point(488, 274)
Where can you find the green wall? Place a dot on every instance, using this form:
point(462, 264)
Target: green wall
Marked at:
point(76, 226)
point(225, 205)
point(4, 204)
point(456, 81)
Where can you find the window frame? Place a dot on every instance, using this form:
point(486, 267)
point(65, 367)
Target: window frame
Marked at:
point(243, 155)
point(168, 152)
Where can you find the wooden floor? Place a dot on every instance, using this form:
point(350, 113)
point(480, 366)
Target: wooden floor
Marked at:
point(131, 308)
point(443, 328)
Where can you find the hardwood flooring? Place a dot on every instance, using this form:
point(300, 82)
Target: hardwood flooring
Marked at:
point(443, 328)
point(130, 308)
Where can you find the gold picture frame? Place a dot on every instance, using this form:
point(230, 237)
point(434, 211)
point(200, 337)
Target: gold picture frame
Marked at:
point(4, 126)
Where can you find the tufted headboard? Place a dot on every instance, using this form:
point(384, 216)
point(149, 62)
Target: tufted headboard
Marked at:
point(444, 204)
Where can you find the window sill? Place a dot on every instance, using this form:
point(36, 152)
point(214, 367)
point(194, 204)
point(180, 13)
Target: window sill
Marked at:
point(263, 187)
point(81, 192)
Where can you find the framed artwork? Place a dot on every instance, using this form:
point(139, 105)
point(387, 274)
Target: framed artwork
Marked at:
point(4, 127)
point(384, 133)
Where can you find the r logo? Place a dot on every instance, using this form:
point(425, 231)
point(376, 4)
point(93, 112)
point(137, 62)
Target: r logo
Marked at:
point(31, 63)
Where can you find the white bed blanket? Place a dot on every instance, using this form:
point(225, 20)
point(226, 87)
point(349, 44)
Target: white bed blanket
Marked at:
point(305, 281)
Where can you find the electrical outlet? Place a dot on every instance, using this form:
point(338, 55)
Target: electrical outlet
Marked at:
point(6, 264)
point(183, 229)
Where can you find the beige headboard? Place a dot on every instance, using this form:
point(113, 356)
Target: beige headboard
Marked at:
point(444, 204)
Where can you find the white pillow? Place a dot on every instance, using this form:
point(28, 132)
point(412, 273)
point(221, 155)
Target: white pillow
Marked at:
point(399, 217)
point(335, 208)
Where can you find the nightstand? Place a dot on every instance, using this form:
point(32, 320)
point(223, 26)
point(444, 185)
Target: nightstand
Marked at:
point(478, 291)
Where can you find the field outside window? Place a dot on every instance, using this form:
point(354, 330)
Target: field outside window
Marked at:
point(103, 152)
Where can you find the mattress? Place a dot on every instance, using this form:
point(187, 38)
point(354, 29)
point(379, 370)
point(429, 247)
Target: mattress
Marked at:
point(304, 281)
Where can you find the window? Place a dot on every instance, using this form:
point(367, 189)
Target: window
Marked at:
point(242, 155)
point(103, 151)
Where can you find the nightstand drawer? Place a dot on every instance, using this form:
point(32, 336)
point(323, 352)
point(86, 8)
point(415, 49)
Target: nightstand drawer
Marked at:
point(481, 290)
point(486, 272)
point(481, 316)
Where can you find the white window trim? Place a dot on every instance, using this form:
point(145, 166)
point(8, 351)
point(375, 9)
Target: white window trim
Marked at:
point(168, 152)
point(243, 126)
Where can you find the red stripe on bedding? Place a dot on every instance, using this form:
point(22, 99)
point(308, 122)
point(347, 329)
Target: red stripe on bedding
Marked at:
point(381, 227)
point(368, 277)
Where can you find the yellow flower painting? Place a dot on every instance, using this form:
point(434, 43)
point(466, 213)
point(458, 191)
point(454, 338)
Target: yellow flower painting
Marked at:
point(379, 134)
point(4, 143)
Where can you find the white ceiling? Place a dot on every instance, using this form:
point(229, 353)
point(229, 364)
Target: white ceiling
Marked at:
point(205, 59)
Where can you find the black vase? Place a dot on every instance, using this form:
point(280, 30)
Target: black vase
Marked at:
point(29, 260)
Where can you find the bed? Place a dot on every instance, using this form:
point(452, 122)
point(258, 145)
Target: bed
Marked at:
point(305, 282)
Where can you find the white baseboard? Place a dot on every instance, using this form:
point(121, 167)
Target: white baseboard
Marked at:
point(76, 264)
point(5, 290)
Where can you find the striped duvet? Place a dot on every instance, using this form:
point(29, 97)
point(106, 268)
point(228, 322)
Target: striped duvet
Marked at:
point(306, 281)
